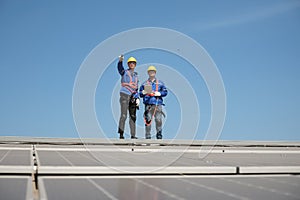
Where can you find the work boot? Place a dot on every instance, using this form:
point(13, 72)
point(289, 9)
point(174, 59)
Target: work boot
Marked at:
point(148, 135)
point(121, 132)
point(159, 136)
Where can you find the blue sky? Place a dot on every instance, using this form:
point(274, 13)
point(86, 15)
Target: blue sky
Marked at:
point(255, 45)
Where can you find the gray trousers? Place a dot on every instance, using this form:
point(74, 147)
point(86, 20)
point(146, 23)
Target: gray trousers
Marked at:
point(127, 105)
point(157, 117)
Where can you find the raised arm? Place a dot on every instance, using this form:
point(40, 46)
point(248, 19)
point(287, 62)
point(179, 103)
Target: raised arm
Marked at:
point(120, 65)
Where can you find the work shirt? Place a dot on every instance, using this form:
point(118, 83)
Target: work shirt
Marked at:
point(157, 85)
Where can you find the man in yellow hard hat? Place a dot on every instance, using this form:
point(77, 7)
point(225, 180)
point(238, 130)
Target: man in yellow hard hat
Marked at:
point(152, 91)
point(129, 98)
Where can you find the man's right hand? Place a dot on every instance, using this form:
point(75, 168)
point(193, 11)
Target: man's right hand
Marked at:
point(144, 92)
point(121, 58)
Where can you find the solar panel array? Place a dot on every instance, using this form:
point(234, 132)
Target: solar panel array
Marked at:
point(35, 168)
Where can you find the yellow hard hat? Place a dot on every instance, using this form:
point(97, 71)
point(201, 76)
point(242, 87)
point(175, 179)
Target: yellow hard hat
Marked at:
point(151, 68)
point(131, 59)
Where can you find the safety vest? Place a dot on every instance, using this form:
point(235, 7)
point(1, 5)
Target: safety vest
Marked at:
point(131, 86)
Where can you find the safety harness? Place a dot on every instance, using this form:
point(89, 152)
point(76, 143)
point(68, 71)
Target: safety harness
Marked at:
point(131, 86)
point(148, 123)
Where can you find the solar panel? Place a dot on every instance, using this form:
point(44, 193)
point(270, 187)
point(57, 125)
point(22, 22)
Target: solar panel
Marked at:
point(171, 187)
point(14, 159)
point(16, 187)
point(57, 168)
point(156, 159)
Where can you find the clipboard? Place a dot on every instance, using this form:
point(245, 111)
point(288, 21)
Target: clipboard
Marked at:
point(148, 89)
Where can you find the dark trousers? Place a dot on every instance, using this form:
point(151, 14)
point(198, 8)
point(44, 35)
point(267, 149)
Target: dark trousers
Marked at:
point(153, 111)
point(127, 103)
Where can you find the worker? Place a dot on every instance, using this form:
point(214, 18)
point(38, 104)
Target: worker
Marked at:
point(129, 98)
point(152, 91)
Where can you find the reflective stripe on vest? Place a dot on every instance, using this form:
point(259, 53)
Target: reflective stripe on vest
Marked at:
point(131, 86)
